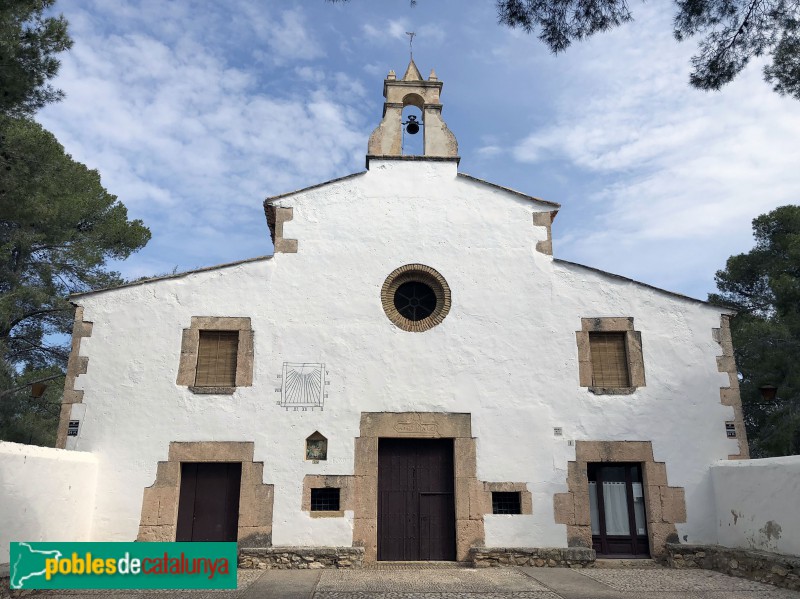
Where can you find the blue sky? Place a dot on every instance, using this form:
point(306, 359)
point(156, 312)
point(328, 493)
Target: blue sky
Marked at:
point(195, 111)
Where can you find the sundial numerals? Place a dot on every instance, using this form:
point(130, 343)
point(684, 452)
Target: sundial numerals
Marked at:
point(303, 386)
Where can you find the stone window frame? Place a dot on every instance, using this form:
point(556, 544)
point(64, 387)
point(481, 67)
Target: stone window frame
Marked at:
point(633, 349)
point(159, 519)
point(424, 274)
point(190, 342)
point(664, 505)
point(525, 497)
point(343, 482)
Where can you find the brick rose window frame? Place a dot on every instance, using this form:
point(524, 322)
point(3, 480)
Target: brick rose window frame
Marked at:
point(190, 342)
point(664, 505)
point(159, 520)
point(633, 349)
point(423, 274)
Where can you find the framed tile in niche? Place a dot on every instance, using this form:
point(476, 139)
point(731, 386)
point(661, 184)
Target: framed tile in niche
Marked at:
point(316, 447)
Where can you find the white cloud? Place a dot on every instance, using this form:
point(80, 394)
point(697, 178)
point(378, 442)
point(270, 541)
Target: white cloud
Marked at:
point(398, 29)
point(393, 28)
point(429, 34)
point(191, 143)
point(291, 40)
point(679, 174)
point(193, 111)
point(490, 151)
point(310, 74)
point(374, 69)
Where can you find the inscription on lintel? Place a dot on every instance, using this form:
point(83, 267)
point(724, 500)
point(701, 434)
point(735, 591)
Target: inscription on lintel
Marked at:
point(416, 428)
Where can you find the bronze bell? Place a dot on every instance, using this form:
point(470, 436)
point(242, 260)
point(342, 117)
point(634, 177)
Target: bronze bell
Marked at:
point(412, 126)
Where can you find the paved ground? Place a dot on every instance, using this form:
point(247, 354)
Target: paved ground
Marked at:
point(465, 583)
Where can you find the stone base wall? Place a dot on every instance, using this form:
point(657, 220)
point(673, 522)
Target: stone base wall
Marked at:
point(301, 558)
point(553, 557)
point(762, 566)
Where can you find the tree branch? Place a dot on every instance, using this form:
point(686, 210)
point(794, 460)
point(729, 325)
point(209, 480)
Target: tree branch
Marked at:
point(48, 378)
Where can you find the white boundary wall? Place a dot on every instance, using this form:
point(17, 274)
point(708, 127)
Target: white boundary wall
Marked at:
point(45, 494)
point(758, 504)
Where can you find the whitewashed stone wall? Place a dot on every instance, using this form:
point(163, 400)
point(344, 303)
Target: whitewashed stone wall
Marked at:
point(506, 353)
point(45, 495)
point(758, 504)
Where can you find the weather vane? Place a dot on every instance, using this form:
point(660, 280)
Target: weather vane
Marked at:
point(411, 35)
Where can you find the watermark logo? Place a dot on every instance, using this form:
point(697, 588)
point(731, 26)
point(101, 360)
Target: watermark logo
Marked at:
point(123, 566)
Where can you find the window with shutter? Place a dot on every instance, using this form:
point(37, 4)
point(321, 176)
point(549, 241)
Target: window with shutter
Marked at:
point(216, 359)
point(609, 360)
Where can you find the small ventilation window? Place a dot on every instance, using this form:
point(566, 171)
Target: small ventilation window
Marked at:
point(325, 499)
point(506, 502)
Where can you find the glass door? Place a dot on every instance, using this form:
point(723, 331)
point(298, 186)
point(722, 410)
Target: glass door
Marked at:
point(616, 502)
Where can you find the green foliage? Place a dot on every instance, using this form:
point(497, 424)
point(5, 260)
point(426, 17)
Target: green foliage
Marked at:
point(733, 32)
point(764, 285)
point(29, 41)
point(560, 22)
point(58, 225)
point(58, 228)
point(736, 31)
point(25, 419)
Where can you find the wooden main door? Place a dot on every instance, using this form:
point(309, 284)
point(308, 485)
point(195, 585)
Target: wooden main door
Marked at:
point(416, 503)
point(208, 509)
point(616, 501)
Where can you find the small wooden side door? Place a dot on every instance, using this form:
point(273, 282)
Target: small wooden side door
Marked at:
point(208, 508)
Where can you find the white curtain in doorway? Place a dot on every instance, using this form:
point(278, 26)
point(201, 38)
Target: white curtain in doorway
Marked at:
point(638, 509)
point(594, 511)
point(615, 501)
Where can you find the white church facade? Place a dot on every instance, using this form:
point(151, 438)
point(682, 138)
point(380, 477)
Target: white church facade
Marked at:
point(412, 372)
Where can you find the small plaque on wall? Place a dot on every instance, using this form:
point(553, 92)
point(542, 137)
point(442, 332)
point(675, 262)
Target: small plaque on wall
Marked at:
point(730, 429)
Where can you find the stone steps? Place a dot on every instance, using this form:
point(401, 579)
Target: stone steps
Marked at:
point(628, 564)
point(427, 565)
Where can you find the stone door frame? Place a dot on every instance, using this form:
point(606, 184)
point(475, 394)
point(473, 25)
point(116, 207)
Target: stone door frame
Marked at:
point(159, 518)
point(470, 497)
point(664, 505)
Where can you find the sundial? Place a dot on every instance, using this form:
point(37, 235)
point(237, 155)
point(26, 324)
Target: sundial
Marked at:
point(302, 386)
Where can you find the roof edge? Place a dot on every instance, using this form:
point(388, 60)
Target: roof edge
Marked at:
point(729, 309)
point(271, 199)
point(509, 190)
point(177, 275)
point(413, 158)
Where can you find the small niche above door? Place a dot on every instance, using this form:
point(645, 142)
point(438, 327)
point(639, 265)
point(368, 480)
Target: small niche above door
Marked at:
point(316, 447)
